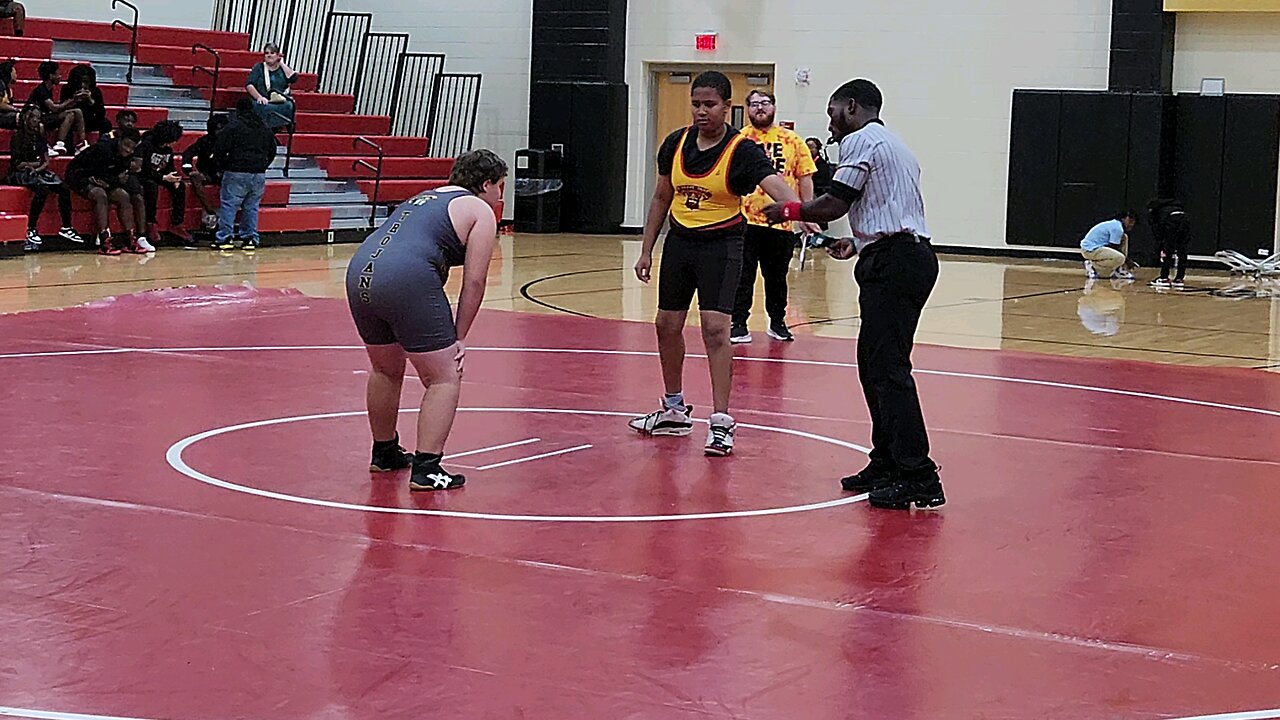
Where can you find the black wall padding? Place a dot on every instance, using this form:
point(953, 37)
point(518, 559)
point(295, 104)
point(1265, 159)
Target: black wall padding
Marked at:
point(1148, 139)
point(590, 120)
point(1198, 166)
point(1250, 163)
point(578, 99)
point(1033, 167)
point(579, 39)
point(1093, 152)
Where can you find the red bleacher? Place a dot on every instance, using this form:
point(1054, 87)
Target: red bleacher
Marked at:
point(326, 123)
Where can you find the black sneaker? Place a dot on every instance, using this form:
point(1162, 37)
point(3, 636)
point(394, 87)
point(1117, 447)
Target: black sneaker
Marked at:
point(922, 491)
point(739, 335)
point(778, 331)
point(876, 475)
point(429, 476)
point(390, 458)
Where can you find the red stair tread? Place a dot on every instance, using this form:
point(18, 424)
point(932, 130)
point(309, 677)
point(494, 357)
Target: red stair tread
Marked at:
point(229, 78)
point(25, 47)
point(18, 200)
point(13, 228)
point(307, 102)
point(393, 167)
point(147, 34)
point(282, 219)
point(330, 145)
point(181, 55)
point(343, 124)
point(294, 219)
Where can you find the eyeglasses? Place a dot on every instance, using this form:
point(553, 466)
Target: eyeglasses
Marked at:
point(760, 104)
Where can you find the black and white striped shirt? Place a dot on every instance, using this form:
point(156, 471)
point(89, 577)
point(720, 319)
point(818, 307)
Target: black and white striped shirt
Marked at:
point(881, 166)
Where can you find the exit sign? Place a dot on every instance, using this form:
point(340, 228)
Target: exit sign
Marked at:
point(705, 42)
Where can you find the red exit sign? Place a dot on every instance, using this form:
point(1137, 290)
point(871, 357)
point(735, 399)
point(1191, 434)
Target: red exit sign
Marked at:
point(705, 42)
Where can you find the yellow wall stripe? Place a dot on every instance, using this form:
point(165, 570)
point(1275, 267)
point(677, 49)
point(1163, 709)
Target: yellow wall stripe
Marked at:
point(1222, 5)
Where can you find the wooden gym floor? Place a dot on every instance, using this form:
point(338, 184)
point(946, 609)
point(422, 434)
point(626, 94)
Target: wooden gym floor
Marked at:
point(989, 303)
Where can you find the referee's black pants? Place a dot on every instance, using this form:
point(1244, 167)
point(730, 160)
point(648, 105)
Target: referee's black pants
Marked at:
point(895, 277)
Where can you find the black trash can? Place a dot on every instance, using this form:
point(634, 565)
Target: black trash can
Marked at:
point(539, 187)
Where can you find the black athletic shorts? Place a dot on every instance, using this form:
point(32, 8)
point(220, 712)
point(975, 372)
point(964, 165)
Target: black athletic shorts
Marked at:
point(710, 267)
point(401, 306)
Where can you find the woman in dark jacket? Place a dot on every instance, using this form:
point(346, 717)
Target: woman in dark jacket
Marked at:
point(94, 108)
point(268, 84)
point(29, 168)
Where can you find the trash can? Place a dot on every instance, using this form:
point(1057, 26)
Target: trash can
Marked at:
point(539, 187)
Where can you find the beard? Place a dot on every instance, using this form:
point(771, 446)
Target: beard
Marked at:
point(767, 121)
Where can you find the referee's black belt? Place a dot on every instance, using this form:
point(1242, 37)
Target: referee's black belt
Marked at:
point(901, 238)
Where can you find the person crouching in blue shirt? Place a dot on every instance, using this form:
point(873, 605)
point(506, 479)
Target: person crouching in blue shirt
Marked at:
point(1106, 248)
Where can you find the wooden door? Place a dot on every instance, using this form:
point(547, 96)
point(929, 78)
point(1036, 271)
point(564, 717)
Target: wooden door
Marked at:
point(673, 109)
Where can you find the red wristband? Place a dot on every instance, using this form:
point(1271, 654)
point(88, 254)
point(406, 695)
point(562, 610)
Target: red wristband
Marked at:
point(791, 211)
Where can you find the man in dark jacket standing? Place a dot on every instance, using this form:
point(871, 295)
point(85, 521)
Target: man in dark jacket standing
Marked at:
point(245, 149)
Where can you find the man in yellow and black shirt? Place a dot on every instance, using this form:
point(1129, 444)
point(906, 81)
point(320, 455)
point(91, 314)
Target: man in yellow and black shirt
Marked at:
point(704, 172)
point(766, 246)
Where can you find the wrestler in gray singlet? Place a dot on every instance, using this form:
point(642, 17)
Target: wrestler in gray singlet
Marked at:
point(395, 282)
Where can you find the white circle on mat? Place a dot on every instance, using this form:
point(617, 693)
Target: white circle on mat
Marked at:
point(176, 461)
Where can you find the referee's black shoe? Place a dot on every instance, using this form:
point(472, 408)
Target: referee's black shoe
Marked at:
point(389, 456)
point(923, 491)
point(877, 474)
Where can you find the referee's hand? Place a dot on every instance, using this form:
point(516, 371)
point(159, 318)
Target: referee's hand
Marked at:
point(643, 268)
point(774, 213)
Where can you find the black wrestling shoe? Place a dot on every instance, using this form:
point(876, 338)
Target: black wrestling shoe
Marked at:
point(390, 456)
point(876, 475)
point(779, 331)
point(922, 491)
point(428, 476)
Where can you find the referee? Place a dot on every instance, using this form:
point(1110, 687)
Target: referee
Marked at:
point(877, 182)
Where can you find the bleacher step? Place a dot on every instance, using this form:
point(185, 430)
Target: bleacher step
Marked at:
point(327, 199)
point(320, 186)
point(296, 173)
point(349, 223)
point(110, 52)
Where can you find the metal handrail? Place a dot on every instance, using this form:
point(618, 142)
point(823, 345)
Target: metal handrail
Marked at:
point(377, 181)
point(288, 150)
point(216, 73)
point(133, 44)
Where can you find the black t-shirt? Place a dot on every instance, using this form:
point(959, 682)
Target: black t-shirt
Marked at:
point(27, 148)
point(40, 97)
point(101, 161)
point(157, 159)
point(200, 156)
point(748, 166)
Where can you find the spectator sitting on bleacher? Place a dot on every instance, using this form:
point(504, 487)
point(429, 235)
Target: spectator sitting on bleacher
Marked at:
point(268, 85)
point(125, 120)
point(244, 149)
point(93, 107)
point(68, 120)
point(17, 12)
point(159, 170)
point(100, 174)
point(203, 169)
point(8, 110)
point(29, 168)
